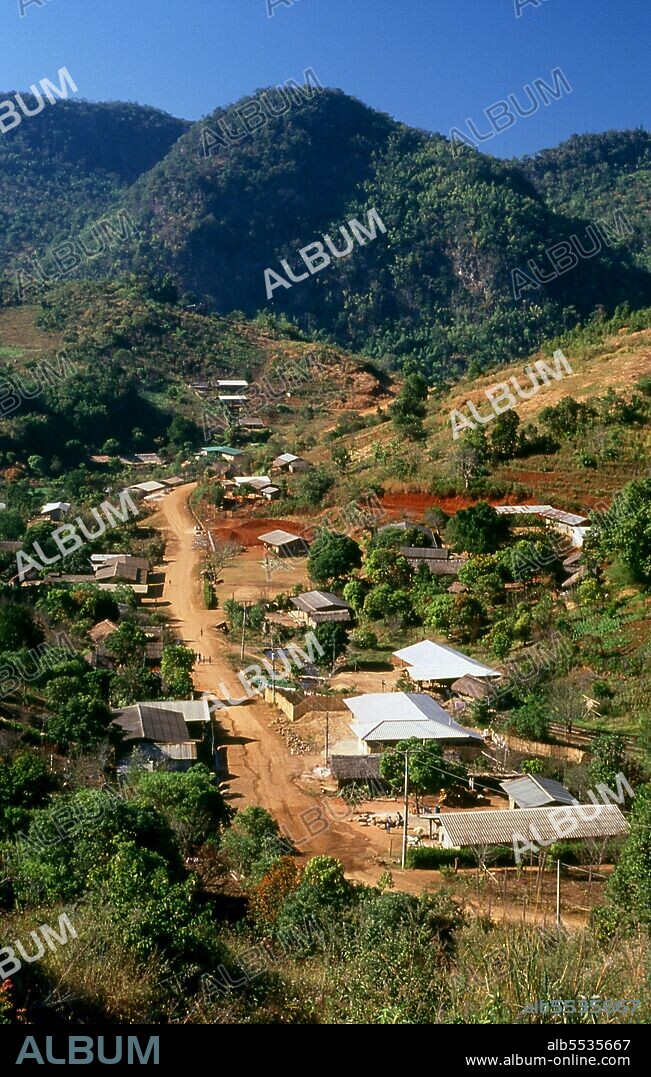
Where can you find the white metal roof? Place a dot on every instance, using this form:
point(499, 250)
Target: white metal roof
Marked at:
point(435, 662)
point(51, 506)
point(258, 481)
point(224, 383)
point(193, 710)
point(149, 487)
point(548, 512)
point(394, 731)
point(407, 710)
point(279, 538)
point(539, 825)
point(535, 792)
point(286, 458)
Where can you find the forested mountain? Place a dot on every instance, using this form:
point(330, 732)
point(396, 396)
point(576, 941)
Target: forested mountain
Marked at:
point(216, 207)
point(593, 175)
point(66, 166)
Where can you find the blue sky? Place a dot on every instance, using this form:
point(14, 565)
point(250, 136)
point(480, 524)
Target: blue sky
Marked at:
point(429, 63)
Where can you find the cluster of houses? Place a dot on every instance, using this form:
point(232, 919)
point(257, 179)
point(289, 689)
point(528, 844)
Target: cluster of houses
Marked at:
point(232, 463)
point(168, 733)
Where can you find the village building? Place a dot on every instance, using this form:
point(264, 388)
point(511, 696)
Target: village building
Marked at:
point(383, 718)
point(352, 769)
point(532, 791)
point(287, 461)
point(158, 735)
point(232, 384)
point(320, 607)
point(251, 422)
point(433, 663)
point(114, 569)
point(540, 826)
point(226, 452)
point(436, 558)
point(284, 543)
point(142, 490)
point(55, 510)
point(568, 524)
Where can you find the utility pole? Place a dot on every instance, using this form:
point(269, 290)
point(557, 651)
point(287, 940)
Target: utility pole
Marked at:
point(243, 631)
point(403, 860)
point(558, 892)
point(273, 667)
point(327, 739)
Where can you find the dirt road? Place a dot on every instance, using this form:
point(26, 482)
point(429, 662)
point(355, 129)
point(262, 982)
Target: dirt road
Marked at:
point(261, 769)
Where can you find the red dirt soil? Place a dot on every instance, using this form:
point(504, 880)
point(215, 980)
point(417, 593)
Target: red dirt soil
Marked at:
point(397, 505)
point(247, 532)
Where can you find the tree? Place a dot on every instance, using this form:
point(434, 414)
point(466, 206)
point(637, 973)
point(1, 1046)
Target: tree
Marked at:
point(478, 529)
point(388, 566)
point(341, 457)
point(531, 720)
point(608, 759)
point(49, 868)
point(84, 721)
point(322, 894)
point(25, 783)
point(127, 644)
point(181, 433)
point(176, 666)
point(429, 772)
point(567, 418)
point(384, 602)
point(471, 456)
point(504, 436)
point(12, 524)
point(408, 409)
point(393, 537)
point(626, 529)
point(629, 888)
point(333, 638)
point(190, 801)
point(333, 557)
point(18, 628)
point(354, 594)
point(314, 485)
point(253, 843)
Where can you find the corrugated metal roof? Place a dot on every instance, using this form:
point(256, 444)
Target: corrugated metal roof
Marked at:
point(396, 707)
point(400, 715)
point(435, 662)
point(192, 710)
point(535, 792)
point(547, 512)
point(425, 553)
point(286, 458)
point(394, 731)
point(538, 825)
point(311, 601)
point(279, 538)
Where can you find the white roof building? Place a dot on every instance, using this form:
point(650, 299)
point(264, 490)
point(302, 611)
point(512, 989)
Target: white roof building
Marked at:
point(55, 506)
point(575, 527)
point(429, 661)
point(258, 482)
point(385, 717)
point(150, 487)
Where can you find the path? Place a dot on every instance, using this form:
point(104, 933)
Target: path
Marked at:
point(262, 770)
